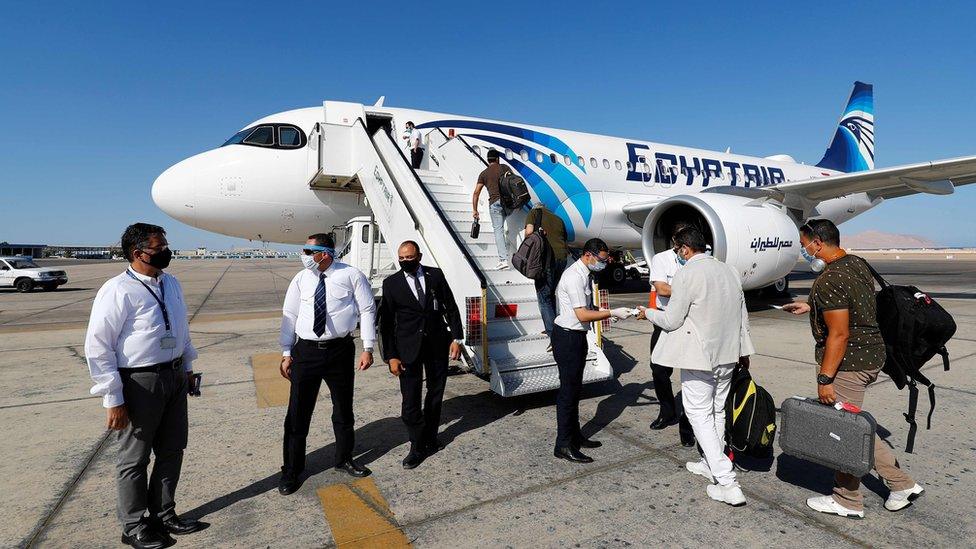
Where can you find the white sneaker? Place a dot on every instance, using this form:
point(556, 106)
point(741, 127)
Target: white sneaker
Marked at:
point(903, 498)
point(502, 265)
point(827, 504)
point(700, 468)
point(730, 493)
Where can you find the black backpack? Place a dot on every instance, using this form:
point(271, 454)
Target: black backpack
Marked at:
point(532, 256)
point(915, 328)
point(750, 416)
point(514, 193)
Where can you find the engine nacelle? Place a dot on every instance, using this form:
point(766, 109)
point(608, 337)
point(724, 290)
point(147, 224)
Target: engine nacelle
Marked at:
point(757, 238)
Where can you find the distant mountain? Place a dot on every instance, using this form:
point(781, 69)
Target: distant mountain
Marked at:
point(872, 240)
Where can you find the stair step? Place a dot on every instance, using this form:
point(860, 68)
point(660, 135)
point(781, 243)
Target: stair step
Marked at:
point(541, 378)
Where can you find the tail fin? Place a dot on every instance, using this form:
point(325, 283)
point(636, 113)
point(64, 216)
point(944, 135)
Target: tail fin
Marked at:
point(852, 149)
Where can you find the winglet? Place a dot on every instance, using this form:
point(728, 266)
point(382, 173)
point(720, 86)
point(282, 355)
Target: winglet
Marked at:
point(379, 102)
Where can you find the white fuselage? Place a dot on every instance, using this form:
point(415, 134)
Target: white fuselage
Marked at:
point(263, 193)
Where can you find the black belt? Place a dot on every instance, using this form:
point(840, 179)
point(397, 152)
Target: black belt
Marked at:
point(174, 364)
point(326, 343)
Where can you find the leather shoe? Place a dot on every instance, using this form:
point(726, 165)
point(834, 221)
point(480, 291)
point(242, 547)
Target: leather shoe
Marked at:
point(146, 539)
point(413, 459)
point(663, 423)
point(353, 468)
point(687, 439)
point(587, 443)
point(179, 527)
point(572, 454)
point(288, 486)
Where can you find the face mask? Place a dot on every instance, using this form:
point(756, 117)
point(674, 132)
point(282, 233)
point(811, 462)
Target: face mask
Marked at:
point(309, 262)
point(682, 261)
point(410, 266)
point(816, 264)
point(160, 260)
point(597, 266)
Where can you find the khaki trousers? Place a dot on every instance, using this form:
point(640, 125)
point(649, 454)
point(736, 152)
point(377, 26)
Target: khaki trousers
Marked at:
point(849, 387)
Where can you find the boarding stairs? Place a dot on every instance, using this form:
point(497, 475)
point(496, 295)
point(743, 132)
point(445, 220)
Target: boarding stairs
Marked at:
point(504, 338)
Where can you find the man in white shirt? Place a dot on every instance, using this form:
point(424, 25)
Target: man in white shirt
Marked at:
point(662, 269)
point(140, 358)
point(324, 302)
point(576, 310)
point(414, 141)
point(706, 332)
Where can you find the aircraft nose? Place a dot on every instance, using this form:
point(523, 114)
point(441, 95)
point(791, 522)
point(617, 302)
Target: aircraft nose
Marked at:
point(174, 192)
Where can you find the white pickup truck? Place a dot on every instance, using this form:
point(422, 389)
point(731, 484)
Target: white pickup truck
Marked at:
point(25, 275)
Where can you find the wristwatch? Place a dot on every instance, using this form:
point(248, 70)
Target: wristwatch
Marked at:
point(368, 350)
point(824, 379)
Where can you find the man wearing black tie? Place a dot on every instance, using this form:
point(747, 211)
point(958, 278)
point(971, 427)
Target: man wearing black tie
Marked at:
point(421, 328)
point(323, 304)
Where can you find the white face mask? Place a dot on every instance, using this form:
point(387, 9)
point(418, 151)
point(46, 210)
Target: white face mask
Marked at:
point(309, 262)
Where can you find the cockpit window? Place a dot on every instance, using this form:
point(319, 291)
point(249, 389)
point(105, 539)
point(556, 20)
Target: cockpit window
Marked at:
point(262, 135)
point(288, 136)
point(274, 136)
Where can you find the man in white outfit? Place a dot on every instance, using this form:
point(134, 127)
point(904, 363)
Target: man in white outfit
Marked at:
point(706, 332)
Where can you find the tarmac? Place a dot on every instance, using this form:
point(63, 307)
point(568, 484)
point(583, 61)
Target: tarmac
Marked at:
point(496, 483)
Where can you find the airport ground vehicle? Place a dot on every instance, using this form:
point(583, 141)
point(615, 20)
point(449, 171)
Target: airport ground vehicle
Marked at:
point(25, 275)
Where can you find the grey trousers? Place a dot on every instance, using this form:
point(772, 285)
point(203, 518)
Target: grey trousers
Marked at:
point(156, 403)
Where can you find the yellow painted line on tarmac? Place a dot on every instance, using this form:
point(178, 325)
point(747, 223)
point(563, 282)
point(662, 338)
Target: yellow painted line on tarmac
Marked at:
point(271, 389)
point(360, 517)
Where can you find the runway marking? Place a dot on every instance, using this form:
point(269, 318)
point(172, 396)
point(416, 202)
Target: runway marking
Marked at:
point(271, 389)
point(210, 293)
point(359, 515)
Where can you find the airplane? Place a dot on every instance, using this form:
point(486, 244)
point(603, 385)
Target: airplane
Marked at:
point(626, 191)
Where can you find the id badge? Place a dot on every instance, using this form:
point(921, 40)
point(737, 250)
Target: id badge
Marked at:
point(167, 342)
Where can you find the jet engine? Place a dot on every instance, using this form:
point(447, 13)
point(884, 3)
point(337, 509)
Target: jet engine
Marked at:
point(755, 236)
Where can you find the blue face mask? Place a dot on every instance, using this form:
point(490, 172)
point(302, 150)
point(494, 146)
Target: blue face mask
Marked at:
point(681, 260)
point(816, 264)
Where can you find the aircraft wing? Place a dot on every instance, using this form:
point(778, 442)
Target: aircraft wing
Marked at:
point(937, 177)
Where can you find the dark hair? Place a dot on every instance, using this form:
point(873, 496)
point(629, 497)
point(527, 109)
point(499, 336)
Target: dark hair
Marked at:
point(595, 246)
point(692, 238)
point(822, 229)
point(410, 123)
point(493, 155)
point(323, 239)
point(679, 226)
point(137, 235)
point(410, 243)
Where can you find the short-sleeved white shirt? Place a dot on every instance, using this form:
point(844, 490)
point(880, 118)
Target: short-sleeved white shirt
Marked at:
point(662, 268)
point(572, 292)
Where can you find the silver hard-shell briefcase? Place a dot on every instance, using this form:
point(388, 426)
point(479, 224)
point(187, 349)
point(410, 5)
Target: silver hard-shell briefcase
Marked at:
point(836, 438)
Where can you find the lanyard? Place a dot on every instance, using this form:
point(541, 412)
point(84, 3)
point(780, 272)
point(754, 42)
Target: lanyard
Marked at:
point(160, 299)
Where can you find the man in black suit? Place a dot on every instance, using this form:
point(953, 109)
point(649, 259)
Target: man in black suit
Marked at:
point(421, 328)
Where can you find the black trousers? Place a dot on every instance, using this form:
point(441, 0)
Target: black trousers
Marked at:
point(416, 157)
point(661, 375)
point(335, 364)
point(422, 422)
point(569, 348)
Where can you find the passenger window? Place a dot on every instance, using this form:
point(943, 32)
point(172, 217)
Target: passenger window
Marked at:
point(580, 161)
point(262, 135)
point(508, 154)
point(567, 160)
point(593, 162)
point(525, 155)
point(477, 150)
point(289, 136)
point(539, 157)
point(552, 157)
point(629, 166)
point(606, 164)
point(618, 165)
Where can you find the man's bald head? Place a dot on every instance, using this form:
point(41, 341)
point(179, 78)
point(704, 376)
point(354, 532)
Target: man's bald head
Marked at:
point(408, 247)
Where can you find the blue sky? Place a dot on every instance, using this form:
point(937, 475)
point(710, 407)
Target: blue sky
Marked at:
point(99, 98)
